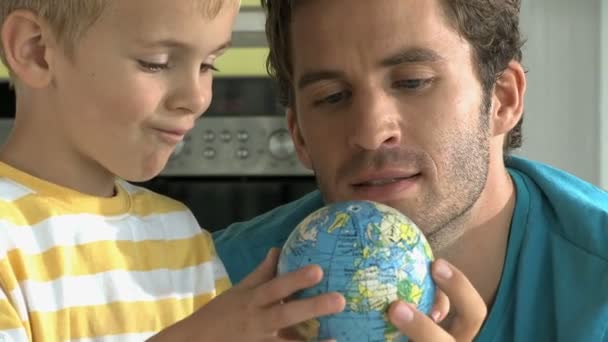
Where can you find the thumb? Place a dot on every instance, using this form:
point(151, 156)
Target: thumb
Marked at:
point(264, 272)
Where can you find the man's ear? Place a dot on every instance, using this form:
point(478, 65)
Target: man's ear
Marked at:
point(298, 139)
point(508, 99)
point(25, 39)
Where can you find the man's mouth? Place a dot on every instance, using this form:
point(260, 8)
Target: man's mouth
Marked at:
point(385, 181)
point(381, 181)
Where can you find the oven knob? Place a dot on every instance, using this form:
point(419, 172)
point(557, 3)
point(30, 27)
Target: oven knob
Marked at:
point(242, 153)
point(209, 136)
point(209, 153)
point(225, 136)
point(242, 136)
point(280, 144)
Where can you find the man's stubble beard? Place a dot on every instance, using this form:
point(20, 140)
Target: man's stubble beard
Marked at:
point(447, 213)
point(470, 164)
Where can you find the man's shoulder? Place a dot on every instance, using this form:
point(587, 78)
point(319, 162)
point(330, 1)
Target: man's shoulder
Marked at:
point(557, 181)
point(571, 208)
point(243, 245)
point(277, 222)
point(556, 247)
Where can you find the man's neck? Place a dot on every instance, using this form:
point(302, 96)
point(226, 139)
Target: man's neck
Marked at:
point(480, 252)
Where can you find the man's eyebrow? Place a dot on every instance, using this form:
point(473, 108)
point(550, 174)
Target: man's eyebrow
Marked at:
point(414, 55)
point(309, 78)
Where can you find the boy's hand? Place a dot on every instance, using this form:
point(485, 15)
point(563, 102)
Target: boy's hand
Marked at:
point(470, 308)
point(254, 310)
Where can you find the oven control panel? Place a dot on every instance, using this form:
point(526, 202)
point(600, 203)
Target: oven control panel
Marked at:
point(229, 146)
point(237, 146)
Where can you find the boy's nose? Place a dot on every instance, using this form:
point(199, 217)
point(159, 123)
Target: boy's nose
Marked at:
point(192, 97)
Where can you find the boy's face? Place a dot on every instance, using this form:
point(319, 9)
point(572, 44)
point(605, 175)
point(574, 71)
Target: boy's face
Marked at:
point(137, 82)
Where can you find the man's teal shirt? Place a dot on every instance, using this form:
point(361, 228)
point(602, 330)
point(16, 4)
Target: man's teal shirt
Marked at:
point(554, 285)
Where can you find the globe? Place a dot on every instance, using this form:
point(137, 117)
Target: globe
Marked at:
point(373, 255)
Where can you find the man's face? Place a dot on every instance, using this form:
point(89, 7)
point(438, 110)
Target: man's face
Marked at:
point(388, 107)
point(138, 80)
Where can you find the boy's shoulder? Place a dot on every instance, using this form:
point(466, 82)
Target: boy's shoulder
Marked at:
point(24, 204)
point(145, 197)
point(12, 190)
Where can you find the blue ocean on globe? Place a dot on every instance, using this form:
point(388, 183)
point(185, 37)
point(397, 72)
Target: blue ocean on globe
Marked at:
point(373, 255)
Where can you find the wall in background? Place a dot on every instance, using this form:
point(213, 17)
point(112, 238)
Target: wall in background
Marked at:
point(562, 113)
point(604, 97)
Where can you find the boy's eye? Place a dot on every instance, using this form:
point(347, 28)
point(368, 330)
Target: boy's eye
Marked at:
point(206, 67)
point(153, 67)
point(156, 67)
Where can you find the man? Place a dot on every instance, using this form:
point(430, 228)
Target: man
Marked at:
point(417, 104)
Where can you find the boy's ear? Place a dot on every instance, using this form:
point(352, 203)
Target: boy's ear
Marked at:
point(25, 40)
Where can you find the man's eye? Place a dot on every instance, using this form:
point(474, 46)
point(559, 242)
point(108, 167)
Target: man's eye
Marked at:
point(153, 67)
point(412, 84)
point(333, 98)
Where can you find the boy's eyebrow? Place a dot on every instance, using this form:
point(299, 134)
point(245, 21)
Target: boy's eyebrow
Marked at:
point(174, 43)
point(223, 46)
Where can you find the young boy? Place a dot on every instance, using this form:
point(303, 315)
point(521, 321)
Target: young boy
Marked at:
point(105, 90)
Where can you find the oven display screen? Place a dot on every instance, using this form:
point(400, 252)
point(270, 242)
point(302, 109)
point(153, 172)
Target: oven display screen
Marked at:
point(244, 97)
point(7, 100)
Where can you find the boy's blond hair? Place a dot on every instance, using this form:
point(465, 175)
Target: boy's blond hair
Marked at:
point(69, 19)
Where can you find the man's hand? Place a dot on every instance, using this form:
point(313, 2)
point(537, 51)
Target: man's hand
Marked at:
point(470, 309)
point(254, 310)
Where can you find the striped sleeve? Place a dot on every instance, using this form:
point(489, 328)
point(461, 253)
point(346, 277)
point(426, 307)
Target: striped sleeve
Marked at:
point(222, 282)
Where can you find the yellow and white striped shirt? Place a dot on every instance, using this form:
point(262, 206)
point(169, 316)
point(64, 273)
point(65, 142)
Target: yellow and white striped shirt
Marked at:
point(74, 267)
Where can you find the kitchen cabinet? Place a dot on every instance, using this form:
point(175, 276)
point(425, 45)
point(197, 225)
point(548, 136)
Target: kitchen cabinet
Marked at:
point(3, 72)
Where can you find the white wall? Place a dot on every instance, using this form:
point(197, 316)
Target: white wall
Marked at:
point(562, 113)
point(604, 97)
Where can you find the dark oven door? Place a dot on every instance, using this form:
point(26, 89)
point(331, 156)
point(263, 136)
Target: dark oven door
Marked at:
point(218, 202)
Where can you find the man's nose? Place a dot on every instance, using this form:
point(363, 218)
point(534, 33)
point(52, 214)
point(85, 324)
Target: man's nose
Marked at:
point(376, 121)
